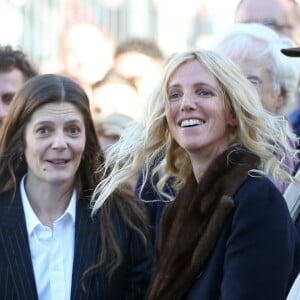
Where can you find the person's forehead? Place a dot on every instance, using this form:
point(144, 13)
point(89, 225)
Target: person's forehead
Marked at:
point(13, 78)
point(57, 111)
point(257, 68)
point(190, 73)
point(257, 10)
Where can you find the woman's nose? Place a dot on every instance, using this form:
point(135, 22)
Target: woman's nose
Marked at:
point(187, 103)
point(59, 141)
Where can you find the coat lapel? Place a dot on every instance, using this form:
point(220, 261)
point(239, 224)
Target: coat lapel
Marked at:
point(14, 240)
point(86, 245)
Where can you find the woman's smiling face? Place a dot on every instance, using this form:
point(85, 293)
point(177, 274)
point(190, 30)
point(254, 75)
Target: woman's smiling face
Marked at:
point(196, 111)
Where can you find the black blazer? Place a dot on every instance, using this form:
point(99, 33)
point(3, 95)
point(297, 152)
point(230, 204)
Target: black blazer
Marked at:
point(17, 281)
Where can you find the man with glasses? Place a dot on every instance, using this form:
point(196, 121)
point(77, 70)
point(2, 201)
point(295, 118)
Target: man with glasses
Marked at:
point(255, 48)
point(283, 16)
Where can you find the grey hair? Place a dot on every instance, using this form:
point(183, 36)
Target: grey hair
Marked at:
point(237, 43)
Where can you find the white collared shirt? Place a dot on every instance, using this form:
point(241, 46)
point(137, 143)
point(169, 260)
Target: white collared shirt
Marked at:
point(52, 250)
point(294, 293)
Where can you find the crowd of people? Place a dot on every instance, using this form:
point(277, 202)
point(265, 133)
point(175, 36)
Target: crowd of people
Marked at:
point(141, 175)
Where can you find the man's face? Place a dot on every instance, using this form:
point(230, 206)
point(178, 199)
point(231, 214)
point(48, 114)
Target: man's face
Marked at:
point(256, 71)
point(10, 82)
point(280, 15)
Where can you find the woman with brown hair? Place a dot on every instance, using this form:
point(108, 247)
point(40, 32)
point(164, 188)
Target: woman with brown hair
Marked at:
point(52, 248)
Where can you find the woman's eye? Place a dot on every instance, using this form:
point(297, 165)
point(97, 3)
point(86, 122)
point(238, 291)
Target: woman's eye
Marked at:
point(204, 93)
point(174, 96)
point(42, 130)
point(74, 130)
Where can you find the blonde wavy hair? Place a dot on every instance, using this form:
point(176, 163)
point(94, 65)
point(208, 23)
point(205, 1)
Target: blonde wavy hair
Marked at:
point(148, 145)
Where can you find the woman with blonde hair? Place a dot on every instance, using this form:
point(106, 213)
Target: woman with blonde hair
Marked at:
point(227, 234)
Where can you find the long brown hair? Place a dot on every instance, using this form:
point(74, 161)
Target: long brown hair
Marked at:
point(50, 88)
point(38, 91)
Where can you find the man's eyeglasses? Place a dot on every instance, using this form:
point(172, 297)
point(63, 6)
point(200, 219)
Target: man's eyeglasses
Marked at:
point(282, 28)
point(256, 81)
point(277, 26)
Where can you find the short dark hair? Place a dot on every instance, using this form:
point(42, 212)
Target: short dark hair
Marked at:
point(15, 58)
point(144, 46)
point(113, 76)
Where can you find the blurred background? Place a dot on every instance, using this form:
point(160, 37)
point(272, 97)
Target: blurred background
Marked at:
point(37, 26)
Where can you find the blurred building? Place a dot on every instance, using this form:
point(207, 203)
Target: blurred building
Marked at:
point(36, 25)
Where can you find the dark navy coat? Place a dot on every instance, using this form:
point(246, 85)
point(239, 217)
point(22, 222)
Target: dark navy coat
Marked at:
point(257, 256)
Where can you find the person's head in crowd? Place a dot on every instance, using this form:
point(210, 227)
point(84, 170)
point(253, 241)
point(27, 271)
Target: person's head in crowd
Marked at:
point(281, 15)
point(221, 109)
point(86, 52)
point(115, 93)
point(44, 106)
point(15, 69)
point(255, 48)
point(140, 60)
point(109, 129)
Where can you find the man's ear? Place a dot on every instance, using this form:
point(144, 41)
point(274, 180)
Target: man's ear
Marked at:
point(281, 98)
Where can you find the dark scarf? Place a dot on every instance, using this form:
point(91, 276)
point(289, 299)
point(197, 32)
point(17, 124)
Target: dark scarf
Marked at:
point(190, 226)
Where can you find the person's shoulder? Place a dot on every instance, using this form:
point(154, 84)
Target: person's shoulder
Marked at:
point(294, 118)
point(7, 204)
point(259, 203)
point(258, 185)
point(6, 199)
point(260, 193)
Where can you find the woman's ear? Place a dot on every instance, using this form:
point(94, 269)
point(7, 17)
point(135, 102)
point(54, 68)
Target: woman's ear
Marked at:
point(230, 114)
point(232, 121)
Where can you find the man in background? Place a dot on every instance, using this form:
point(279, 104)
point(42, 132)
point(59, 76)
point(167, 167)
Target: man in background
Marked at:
point(86, 53)
point(283, 16)
point(139, 60)
point(15, 69)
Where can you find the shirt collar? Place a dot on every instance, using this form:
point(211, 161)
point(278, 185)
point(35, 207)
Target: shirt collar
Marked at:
point(32, 220)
